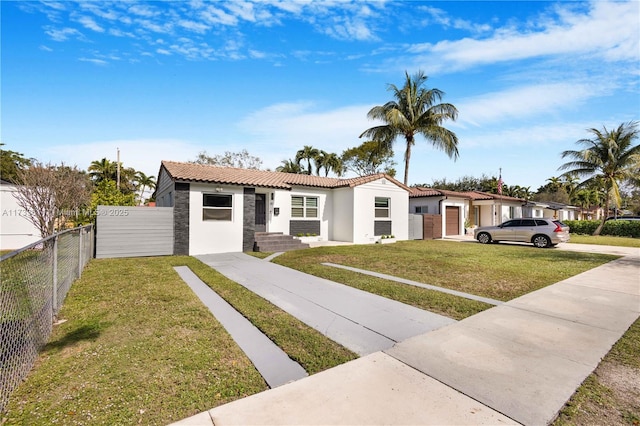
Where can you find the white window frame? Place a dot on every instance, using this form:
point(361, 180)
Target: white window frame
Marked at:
point(422, 209)
point(217, 208)
point(380, 209)
point(308, 207)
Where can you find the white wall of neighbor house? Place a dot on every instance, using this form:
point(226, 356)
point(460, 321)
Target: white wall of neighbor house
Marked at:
point(425, 205)
point(364, 210)
point(215, 236)
point(15, 229)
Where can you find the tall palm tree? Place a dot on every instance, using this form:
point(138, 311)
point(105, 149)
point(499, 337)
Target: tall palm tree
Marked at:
point(333, 163)
point(289, 166)
point(145, 182)
point(308, 153)
point(100, 170)
point(414, 110)
point(610, 155)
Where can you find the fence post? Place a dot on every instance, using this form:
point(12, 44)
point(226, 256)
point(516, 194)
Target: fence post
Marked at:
point(54, 302)
point(80, 232)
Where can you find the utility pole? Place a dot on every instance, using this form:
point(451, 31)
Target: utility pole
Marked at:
point(118, 171)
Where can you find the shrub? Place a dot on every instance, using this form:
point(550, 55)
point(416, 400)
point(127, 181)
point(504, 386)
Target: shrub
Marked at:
point(617, 228)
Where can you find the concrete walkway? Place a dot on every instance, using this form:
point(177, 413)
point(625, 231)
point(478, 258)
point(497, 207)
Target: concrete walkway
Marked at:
point(272, 363)
point(515, 363)
point(360, 321)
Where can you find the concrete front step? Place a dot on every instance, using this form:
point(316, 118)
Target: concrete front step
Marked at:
point(277, 241)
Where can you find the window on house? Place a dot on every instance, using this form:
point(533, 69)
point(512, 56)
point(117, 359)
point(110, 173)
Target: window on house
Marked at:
point(512, 212)
point(217, 207)
point(476, 215)
point(304, 206)
point(382, 207)
point(422, 209)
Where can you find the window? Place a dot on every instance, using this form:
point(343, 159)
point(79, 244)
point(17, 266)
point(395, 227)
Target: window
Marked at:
point(382, 207)
point(217, 207)
point(422, 209)
point(304, 206)
point(512, 212)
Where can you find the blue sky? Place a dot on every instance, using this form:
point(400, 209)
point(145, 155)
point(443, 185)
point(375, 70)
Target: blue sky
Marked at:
point(164, 80)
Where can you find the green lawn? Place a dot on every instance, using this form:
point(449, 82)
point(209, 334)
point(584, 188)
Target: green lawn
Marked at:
point(605, 240)
point(139, 347)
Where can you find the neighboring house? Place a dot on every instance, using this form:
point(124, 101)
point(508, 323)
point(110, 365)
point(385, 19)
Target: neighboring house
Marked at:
point(550, 209)
point(15, 230)
point(480, 208)
point(219, 209)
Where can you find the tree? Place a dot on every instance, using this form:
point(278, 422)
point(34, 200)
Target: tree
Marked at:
point(104, 169)
point(309, 154)
point(106, 193)
point(11, 163)
point(415, 110)
point(289, 166)
point(369, 158)
point(145, 182)
point(239, 160)
point(330, 162)
point(610, 155)
point(49, 193)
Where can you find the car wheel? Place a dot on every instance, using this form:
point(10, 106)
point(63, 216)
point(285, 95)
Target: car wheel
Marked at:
point(541, 241)
point(484, 238)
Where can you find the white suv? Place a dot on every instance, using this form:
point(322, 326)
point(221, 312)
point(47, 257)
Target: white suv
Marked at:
point(540, 232)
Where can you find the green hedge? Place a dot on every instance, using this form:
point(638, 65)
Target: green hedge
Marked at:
point(617, 228)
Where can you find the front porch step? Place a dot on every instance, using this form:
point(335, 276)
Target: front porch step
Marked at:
point(276, 241)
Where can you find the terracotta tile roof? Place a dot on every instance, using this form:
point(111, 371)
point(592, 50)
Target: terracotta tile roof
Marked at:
point(472, 195)
point(192, 172)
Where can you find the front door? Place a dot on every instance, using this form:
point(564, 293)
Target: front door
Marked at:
point(261, 213)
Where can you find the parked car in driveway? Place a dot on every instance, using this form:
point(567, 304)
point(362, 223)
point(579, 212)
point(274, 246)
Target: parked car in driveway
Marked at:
point(537, 231)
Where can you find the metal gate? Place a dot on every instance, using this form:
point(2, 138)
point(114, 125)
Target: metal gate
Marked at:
point(124, 231)
point(415, 227)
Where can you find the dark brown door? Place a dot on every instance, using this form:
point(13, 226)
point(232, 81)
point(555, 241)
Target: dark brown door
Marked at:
point(261, 213)
point(453, 220)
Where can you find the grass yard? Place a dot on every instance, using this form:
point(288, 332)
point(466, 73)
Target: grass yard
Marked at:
point(497, 271)
point(139, 347)
point(605, 240)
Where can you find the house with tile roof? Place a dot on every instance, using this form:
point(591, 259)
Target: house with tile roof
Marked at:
point(222, 209)
point(455, 208)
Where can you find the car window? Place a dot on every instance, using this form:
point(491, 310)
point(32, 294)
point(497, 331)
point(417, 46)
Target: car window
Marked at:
point(540, 222)
point(557, 222)
point(528, 222)
point(510, 223)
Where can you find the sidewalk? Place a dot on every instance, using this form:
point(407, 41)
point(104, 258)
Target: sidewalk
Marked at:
point(515, 363)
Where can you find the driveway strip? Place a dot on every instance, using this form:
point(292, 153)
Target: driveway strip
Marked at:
point(417, 284)
point(362, 322)
point(272, 363)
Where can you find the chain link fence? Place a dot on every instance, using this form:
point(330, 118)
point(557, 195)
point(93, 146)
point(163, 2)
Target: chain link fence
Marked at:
point(34, 282)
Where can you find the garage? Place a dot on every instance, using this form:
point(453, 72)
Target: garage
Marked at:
point(452, 218)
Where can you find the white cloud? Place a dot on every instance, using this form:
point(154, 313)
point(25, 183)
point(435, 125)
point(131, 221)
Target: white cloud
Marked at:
point(63, 34)
point(193, 26)
point(94, 61)
point(609, 31)
point(143, 155)
point(521, 102)
point(89, 23)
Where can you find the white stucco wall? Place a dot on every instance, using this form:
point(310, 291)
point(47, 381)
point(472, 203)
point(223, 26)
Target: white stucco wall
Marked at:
point(282, 200)
point(15, 230)
point(214, 236)
point(432, 204)
point(342, 229)
point(364, 210)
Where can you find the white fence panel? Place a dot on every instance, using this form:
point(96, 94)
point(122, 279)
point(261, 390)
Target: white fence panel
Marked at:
point(415, 226)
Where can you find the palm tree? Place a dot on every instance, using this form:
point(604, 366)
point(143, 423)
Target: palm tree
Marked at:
point(333, 163)
point(308, 153)
point(100, 170)
point(610, 156)
point(145, 182)
point(414, 110)
point(289, 166)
